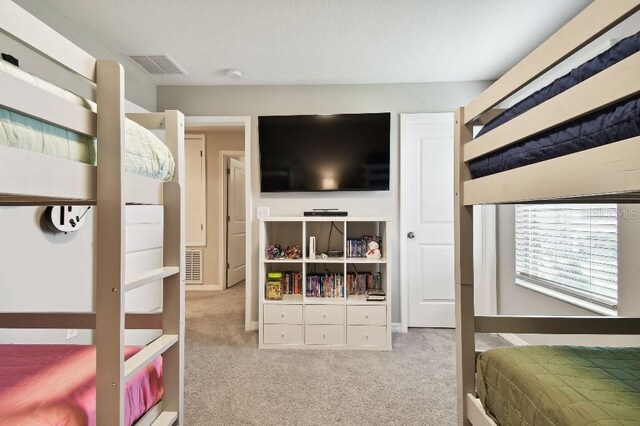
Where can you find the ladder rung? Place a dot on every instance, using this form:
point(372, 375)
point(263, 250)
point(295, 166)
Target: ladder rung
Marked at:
point(151, 415)
point(165, 419)
point(151, 276)
point(148, 354)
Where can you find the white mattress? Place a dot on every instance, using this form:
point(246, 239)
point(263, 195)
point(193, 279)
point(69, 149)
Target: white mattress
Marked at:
point(146, 155)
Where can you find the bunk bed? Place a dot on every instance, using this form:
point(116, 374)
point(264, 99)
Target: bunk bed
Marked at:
point(576, 140)
point(107, 382)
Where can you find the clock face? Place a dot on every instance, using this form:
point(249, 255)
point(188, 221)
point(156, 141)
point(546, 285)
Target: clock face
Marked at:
point(67, 218)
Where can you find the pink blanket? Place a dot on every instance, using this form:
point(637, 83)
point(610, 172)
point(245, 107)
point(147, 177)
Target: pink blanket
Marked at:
point(56, 385)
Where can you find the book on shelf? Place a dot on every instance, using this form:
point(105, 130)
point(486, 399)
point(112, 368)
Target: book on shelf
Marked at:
point(375, 295)
point(325, 285)
point(358, 247)
point(290, 283)
point(359, 283)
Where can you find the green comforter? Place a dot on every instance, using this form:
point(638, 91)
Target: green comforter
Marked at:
point(146, 155)
point(560, 385)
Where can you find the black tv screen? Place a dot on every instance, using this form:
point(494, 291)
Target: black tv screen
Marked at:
point(341, 152)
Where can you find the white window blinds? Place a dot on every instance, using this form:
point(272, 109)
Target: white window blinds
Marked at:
point(570, 249)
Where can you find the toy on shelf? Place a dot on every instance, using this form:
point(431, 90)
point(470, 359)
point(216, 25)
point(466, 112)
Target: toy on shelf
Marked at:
point(293, 252)
point(374, 250)
point(275, 252)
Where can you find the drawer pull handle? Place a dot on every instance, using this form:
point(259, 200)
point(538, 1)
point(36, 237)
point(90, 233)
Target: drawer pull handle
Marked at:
point(366, 336)
point(366, 316)
point(324, 335)
point(283, 315)
point(324, 315)
point(282, 335)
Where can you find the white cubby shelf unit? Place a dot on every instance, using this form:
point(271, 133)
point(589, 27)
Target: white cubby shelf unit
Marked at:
point(344, 321)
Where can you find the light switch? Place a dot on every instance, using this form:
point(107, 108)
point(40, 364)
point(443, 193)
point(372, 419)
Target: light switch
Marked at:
point(263, 212)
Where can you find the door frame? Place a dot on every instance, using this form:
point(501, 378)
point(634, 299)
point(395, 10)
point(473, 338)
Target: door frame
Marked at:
point(485, 250)
point(203, 196)
point(223, 159)
point(204, 123)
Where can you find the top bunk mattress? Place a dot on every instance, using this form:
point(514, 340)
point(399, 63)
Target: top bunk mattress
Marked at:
point(146, 155)
point(560, 385)
point(614, 123)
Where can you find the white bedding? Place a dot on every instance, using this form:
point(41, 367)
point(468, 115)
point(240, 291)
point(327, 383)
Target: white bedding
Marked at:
point(146, 155)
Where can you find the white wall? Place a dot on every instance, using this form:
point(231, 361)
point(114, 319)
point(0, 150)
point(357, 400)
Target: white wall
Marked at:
point(290, 100)
point(46, 271)
point(43, 271)
point(516, 300)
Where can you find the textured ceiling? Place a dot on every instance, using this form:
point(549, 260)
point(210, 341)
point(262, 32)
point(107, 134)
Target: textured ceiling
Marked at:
point(323, 41)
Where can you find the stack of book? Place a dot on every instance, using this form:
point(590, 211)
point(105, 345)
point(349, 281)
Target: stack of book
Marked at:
point(358, 247)
point(291, 282)
point(325, 285)
point(359, 284)
point(375, 295)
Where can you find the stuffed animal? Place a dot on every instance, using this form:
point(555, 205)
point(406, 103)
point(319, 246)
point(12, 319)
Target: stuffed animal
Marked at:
point(374, 250)
point(274, 251)
point(293, 252)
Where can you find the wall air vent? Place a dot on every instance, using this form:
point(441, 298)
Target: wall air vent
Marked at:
point(193, 270)
point(157, 64)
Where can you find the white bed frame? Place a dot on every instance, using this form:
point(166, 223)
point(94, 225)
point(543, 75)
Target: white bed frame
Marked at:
point(28, 178)
point(607, 174)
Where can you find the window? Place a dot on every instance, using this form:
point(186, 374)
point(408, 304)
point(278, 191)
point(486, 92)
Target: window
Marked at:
point(569, 251)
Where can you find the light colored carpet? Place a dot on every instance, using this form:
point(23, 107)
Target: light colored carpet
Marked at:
point(230, 382)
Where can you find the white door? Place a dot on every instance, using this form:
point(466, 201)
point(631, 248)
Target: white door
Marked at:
point(427, 184)
point(195, 190)
point(236, 237)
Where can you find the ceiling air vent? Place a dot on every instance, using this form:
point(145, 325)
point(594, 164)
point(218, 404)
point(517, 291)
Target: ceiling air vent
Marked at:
point(157, 64)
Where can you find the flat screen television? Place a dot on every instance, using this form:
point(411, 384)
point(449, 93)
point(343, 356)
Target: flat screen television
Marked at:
point(341, 152)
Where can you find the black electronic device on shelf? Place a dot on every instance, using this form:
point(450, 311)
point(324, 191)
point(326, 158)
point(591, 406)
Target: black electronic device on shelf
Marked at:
point(326, 212)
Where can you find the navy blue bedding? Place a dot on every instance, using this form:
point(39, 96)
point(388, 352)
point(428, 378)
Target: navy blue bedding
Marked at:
point(611, 124)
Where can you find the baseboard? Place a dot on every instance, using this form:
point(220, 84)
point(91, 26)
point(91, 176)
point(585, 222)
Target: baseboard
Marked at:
point(253, 326)
point(396, 327)
point(513, 339)
point(202, 287)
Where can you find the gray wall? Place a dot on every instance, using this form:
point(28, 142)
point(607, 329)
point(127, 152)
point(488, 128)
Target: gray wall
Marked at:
point(516, 300)
point(282, 100)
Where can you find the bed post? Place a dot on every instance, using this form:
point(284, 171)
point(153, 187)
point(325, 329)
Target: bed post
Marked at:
point(463, 225)
point(174, 287)
point(111, 241)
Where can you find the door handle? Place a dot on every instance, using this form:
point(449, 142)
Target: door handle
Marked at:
point(411, 235)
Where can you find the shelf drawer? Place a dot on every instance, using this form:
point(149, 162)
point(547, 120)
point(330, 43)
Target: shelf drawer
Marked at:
point(324, 314)
point(282, 314)
point(366, 335)
point(366, 315)
point(324, 334)
point(285, 334)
